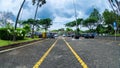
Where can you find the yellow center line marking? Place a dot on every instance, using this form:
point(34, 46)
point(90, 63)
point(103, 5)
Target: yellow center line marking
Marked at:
point(44, 56)
point(83, 64)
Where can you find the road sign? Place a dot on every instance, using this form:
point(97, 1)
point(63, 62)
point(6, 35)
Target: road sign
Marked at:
point(115, 28)
point(115, 25)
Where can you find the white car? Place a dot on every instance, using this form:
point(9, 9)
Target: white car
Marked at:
point(56, 35)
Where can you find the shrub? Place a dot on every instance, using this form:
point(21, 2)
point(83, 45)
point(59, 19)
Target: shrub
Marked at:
point(8, 33)
point(20, 33)
point(4, 34)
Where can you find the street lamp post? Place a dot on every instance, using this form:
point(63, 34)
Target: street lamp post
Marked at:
point(76, 33)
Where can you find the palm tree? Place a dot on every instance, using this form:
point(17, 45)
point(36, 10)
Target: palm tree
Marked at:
point(19, 14)
point(14, 38)
point(39, 3)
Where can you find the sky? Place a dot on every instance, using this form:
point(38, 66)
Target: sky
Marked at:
point(60, 11)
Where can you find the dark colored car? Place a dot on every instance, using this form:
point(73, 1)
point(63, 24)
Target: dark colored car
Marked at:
point(50, 35)
point(40, 35)
point(77, 36)
point(89, 35)
point(68, 35)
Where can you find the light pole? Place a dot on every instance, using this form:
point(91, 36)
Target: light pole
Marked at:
point(76, 33)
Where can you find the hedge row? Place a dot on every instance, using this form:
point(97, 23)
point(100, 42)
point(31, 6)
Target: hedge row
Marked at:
point(8, 33)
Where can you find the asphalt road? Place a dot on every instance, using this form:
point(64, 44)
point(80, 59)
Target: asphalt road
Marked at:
point(64, 53)
point(24, 57)
point(98, 53)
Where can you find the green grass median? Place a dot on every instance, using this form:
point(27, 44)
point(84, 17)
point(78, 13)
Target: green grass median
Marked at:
point(8, 42)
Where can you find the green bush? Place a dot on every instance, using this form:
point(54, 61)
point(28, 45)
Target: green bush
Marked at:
point(8, 33)
point(4, 34)
point(20, 33)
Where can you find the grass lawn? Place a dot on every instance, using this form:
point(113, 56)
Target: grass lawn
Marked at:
point(7, 42)
point(116, 35)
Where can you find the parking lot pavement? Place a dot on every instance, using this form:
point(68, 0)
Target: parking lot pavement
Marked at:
point(66, 53)
point(60, 57)
point(24, 57)
point(97, 53)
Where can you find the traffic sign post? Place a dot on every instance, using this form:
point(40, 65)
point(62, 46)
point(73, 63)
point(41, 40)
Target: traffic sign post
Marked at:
point(115, 28)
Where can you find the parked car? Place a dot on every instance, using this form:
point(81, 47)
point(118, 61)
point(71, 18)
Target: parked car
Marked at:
point(40, 35)
point(50, 35)
point(89, 35)
point(64, 35)
point(56, 35)
point(76, 36)
point(68, 35)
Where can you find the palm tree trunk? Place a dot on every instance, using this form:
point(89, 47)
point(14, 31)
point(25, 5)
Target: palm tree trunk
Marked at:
point(118, 6)
point(35, 19)
point(111, 5)
point(14, 37)
point(19, 14)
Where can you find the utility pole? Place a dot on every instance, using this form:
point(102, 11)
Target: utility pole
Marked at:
point(76, 33)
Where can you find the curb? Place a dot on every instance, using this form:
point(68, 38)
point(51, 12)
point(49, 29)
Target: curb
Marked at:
point(17, 45)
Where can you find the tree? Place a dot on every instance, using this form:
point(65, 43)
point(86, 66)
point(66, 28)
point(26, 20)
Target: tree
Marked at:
point(14, 38)
point(70, 24)
point(109, 17)
point(79, 22)
point(19, 14)
point(73, 23)
point(21, 23)
point(109, 29)
point(115, 5)
point(95, 14)
point(69, 30)
point(39, 4)
point(32, 22)
point(8, 25)
point(45, 23)
point(101, 29)
point(61, 29)
point(90, 23)
point(55, 31)
point(27, 28)
point(29, 21)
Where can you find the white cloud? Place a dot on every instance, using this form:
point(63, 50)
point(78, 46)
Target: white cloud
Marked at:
point(61, 10)
point(10, 5)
